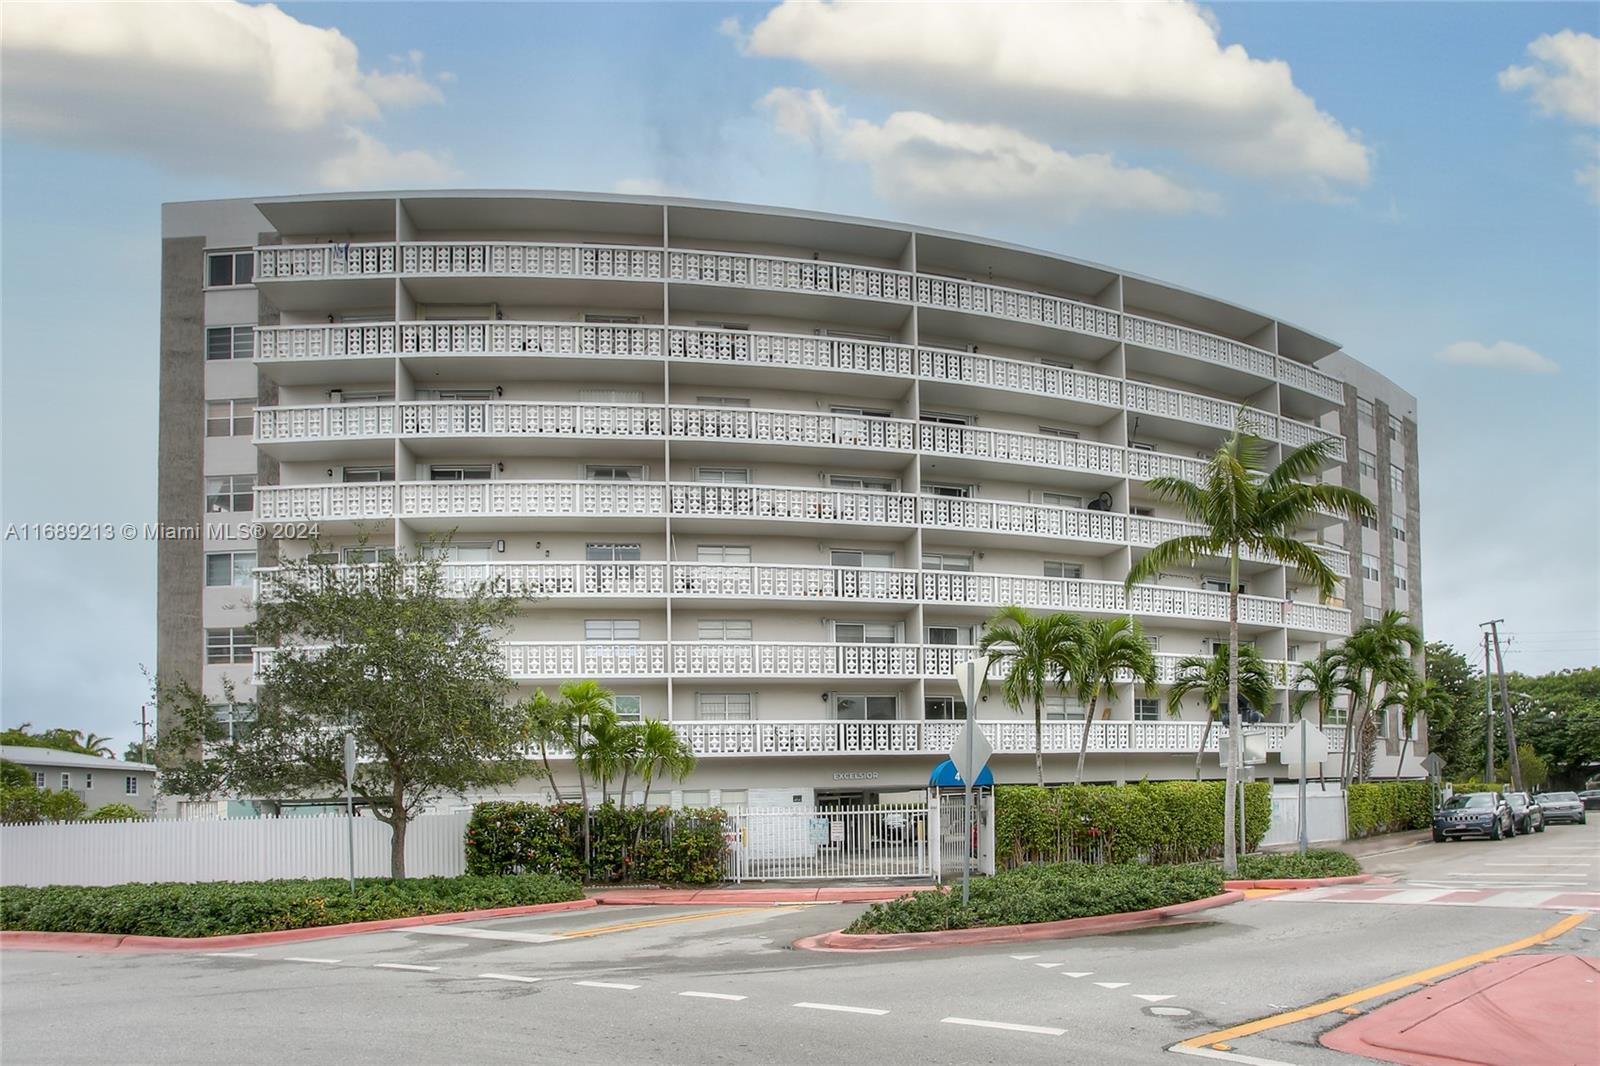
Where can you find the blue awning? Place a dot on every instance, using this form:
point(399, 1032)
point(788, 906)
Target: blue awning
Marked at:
point(945, 776)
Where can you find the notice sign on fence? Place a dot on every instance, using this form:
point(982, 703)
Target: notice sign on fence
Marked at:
point(819, 832)
point(836, 830)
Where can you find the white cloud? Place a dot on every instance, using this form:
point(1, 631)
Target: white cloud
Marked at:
point(1565, 79)
point(643, 187)
point(917, 159)
point(1501, 355)
point(212, 88)
point(1077, 74)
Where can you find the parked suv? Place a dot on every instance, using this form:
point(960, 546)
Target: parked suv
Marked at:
point(1591, 799)
point(1473, 814)
point(1562, 807)
point(1526, 815)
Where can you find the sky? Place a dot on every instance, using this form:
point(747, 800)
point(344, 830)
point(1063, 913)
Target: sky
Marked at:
point(1420, 182)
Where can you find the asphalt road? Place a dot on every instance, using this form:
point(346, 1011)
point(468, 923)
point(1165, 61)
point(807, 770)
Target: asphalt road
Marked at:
point(721, 985)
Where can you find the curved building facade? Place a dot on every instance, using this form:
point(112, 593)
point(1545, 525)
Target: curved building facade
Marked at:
point(763, 473)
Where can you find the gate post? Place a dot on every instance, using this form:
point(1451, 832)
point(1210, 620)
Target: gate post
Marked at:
point(986, 833)
point(935, 841)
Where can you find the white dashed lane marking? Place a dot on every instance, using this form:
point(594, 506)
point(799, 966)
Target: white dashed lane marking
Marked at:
point(1150, 999)
point(1112, 984)
point(1024, 958)
point(231, 954)
point(1077, 973)
point(842, 1008)
point(712, 995)
point(606, 984)
point(404, 966)
point(307, 958)
point(1047, 965)
point(1042, 1030)
point(509, 977)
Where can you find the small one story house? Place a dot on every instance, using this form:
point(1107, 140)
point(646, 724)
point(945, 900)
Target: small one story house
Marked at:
point(97, 781)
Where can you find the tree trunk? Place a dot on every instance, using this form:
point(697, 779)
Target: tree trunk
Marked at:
point(1083, 743)
point(397, 839)
point(1038, 739)
point(1404, 741)
point(622, 792)
point(1230, 845)
point(1205, 735)
point(583, 798)
point(544, 757)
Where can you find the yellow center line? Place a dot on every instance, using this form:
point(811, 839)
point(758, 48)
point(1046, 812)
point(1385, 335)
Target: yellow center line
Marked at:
point(646, 923)
point(1350, 999)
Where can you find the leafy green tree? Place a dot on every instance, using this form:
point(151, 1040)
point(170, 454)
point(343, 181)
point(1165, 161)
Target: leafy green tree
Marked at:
point(26, 803)
point(661, 751)
point(1456, 724)
point(1320, 679)
point(1105, 649)
point(14, 775)
point(1208, 675)
point(1558, 715)
point(1037, 653)
point(544, 726)
point(95, 744)
point(54, 739)
point(1378, 654)
point(116, 812)
point(1420, 700)
point(1535, 772)
point(1243, 509)
point(415, 674)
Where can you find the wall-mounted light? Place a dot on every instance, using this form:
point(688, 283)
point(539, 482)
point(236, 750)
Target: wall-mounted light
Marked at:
point(824, 697)
point(498, 391)
point(500, 546)
point(330, 471)
point(538, 544)
point(501, 467)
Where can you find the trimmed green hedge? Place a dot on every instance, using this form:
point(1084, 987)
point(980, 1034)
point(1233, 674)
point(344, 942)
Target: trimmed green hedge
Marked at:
point(633, 844)
point(1050, 893)
point(1389, 807)
point(1159, 821)
point(222, 907)
point(1319, 863)
point(1478, 786)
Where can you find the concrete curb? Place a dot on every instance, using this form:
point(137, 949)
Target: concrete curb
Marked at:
point(1300, 882)
point(106, 942)
point(1006, 934)
point(754, 897)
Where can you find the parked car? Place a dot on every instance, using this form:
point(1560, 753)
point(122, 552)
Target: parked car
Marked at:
point(1562, 807)
point(1473, 814)
point(1591, 799)
point(1526, 815)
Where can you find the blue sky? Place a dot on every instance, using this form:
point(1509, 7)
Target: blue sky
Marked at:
point(1404, 178)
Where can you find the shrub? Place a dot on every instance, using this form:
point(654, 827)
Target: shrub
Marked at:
point(1148, 821)
point(25, 803)
point(116, 812)
point(1321, 863)
point(1389, 807)
point(629, 844)
point(1050, 893)
point(223, 907)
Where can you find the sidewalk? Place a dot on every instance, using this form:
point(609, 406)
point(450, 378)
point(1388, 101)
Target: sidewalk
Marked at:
point(754, 895)
point(1368, 847)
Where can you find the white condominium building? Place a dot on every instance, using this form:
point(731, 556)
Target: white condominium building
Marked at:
point(761, 472)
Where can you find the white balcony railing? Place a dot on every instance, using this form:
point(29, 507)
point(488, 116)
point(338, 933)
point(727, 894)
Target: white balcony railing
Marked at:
point(296, 262)
point(789, 275)
point(806, 350)
point(616, 262)
point(1224, 415)
point(1002, 302)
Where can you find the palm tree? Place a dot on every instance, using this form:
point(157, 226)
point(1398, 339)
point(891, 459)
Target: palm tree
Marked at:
point(662, 751)
point(584, 706)
point(609, 749)
point(1209, 675)
point(1321, 679)
point(544, 725)
point(95, 744)
point(1377, 653)
point(1421, 698)
point(1106, 649)
point(1240, 509)
point(1036, 651)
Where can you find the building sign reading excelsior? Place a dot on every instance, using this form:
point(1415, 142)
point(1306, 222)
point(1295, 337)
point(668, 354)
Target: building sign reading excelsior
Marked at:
point(856, 775)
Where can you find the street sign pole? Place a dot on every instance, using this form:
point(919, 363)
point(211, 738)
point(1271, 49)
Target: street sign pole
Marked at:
point(1305, 831)
point(969, 679)
point(350, 803)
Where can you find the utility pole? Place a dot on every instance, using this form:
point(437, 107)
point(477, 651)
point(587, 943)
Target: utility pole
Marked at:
point(144, 732)
point(1488, 717)
point(1505, 705)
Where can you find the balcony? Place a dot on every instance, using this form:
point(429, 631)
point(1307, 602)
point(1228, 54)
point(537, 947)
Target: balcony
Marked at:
point(1222, 415)
point(781, 273)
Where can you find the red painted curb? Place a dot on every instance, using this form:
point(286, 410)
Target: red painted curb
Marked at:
point(1005, 934)
point(1300, 882)
point(754, 897)
point(17, 938)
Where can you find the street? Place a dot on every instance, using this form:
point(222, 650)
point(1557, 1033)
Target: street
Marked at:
point(720, 984)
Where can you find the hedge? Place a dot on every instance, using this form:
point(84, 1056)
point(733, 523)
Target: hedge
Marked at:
point(1050, 893)
point(1389, 807)
point(631, 844)
point(1316, 863)
point(221, 907)
point(1152, 821)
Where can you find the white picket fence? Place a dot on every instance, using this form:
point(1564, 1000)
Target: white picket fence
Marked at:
point(1325, 811)
point(234, 849)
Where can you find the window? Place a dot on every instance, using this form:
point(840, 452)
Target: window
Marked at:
point(628, 708)
point(1294, 653)
point(856, 334)
point(1142, 512)
point(225, 647)
point(607, 319)
point(1219, 584)
point(481, 472)
point(355, 475)
point(230, 492)
point(944, 708)
point(1368, 463)
point(1397, 525)
point(600, 552)
point(130, 786)
point(1060, 499)
point(1400, 582)
point(614, 473)
point(610, 396)
point(1145, 710)
point(360, 396)
point(1397, 479)
point(725, 707)
point(724, 553)
point(722, 475)
point(38, 779)
point(866, 633)
point(1394, 428)
point(66, 781)
point(1369, 566)
point(1141, 446)
point(724, 629)
point(722, 401)
point(611, 629)
point(235, 718)
point(363, 556)
point(1062, 364)
point(1062, 709)
point(450, 553)
point(946, 561)
point(1372, 613)
point(858, 707)
point(1153, 643)
point(229, 569)
point(948, 635)
point(1369, 521)
point(229, 268)
point(1365, 413)
point(1058, 568)
point(88, 782)
point(947, 419)
point(867, 484)
point(230, 418)
point(456, 395)
point(1058, 431)
point(862, 557)
point(723, 325)
point(733, 799)
point(861, 412)
point(230, 342)
point(959, 492)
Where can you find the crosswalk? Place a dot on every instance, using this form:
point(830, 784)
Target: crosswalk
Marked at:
point(1452, 895)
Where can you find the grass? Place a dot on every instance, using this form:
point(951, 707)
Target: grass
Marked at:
point(1290, 864)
